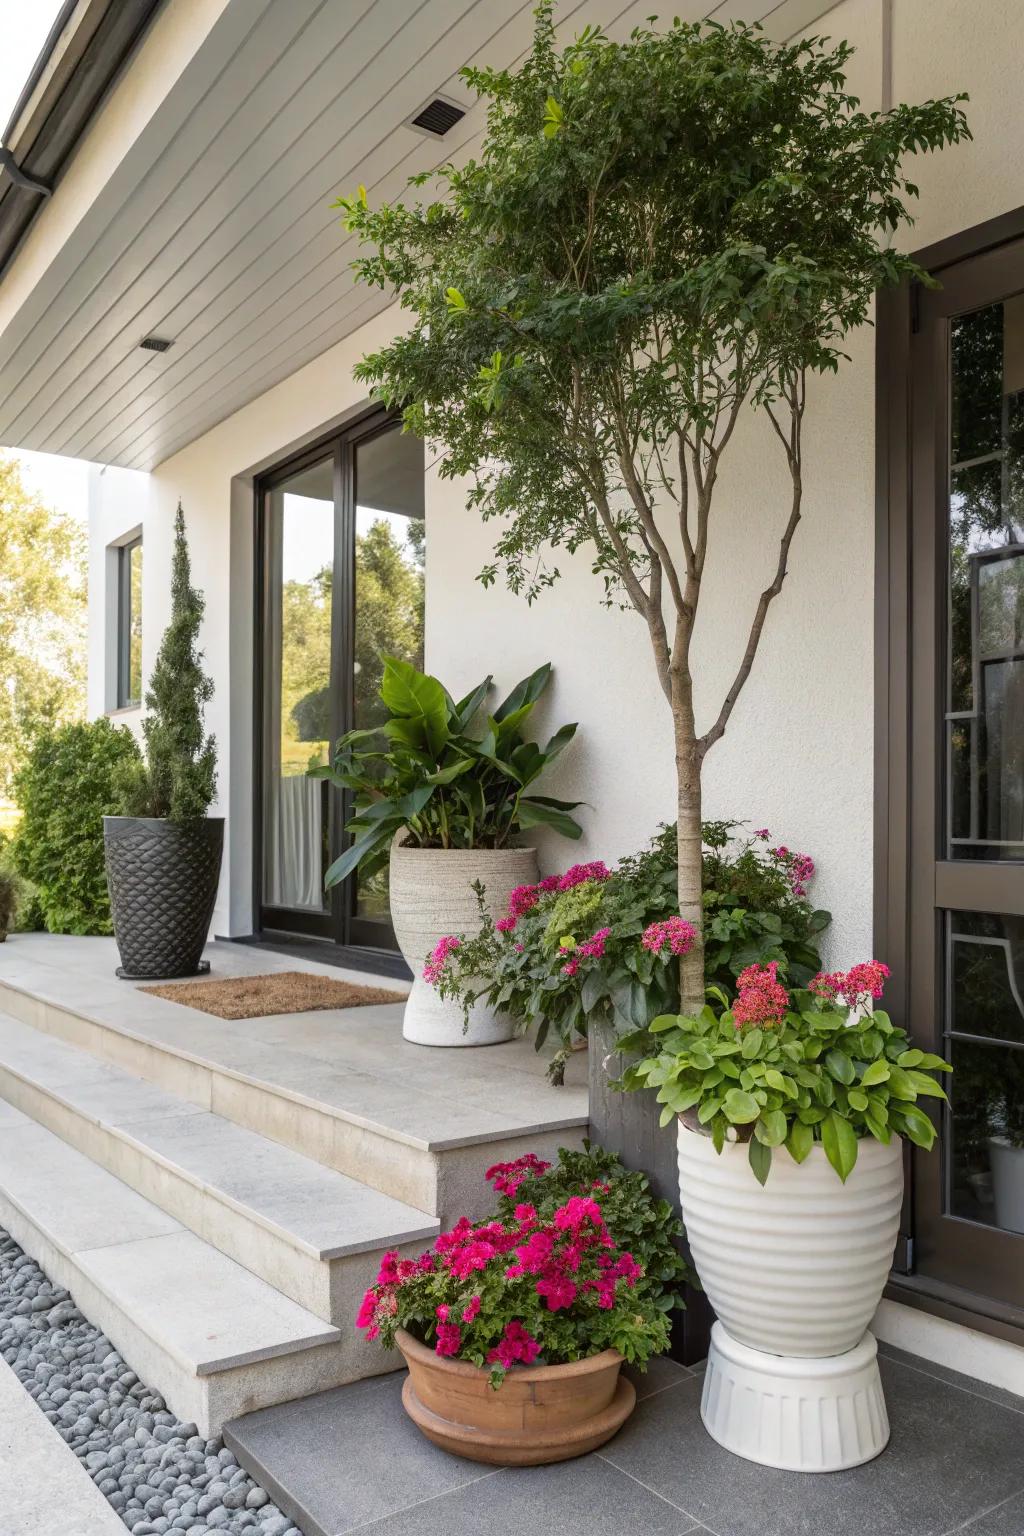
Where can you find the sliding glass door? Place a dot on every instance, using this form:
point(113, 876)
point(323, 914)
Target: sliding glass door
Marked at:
point(341, 574)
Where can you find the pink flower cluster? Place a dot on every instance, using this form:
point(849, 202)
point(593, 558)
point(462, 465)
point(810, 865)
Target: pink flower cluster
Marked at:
point(525, 897)
point(674, 931)
point(761, 997)
point(507, 1177)
point(592, 948)
point(516, 1347)
point(570, 1256)
point(864, 980)
point(798, 867)
point(438, 957)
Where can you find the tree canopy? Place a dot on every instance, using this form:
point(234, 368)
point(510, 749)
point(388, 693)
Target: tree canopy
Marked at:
point(42, 618)
point(654, 235)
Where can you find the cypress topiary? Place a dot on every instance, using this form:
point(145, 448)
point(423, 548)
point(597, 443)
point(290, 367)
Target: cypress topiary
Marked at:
point(179, 775)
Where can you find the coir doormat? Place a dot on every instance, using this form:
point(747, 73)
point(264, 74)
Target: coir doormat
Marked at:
point(257, 997)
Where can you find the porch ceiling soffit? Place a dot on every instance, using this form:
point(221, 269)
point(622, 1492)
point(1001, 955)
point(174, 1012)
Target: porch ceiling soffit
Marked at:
point(214, 230)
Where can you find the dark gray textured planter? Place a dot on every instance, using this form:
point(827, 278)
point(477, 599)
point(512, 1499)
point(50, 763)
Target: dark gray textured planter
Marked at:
point(627, 1123)
point(162, 876)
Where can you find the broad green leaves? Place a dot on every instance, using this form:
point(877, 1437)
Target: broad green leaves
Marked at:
point(425, 771)
point(813, 1081)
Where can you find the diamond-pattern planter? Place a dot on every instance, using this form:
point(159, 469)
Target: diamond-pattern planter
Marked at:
point(163, 878)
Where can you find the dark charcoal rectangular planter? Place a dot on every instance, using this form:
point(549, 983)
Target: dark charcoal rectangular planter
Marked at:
point(163, 878)
point(627, 1123)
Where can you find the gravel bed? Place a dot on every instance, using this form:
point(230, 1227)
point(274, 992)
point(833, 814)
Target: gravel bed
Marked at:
point(158, 1473)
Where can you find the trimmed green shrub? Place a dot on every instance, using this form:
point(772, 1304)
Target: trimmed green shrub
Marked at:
point(64, 789)
point(178, 778)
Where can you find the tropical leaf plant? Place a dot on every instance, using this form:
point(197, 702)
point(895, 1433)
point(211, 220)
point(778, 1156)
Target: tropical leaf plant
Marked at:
point(431, 770)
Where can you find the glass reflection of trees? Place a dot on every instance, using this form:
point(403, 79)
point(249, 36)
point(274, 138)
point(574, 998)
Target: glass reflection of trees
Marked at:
point(388, 620)
point(986, 599)
point(987, 1092)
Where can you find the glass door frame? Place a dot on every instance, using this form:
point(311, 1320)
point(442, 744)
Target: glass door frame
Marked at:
point(952, 1266)
point(339, 924)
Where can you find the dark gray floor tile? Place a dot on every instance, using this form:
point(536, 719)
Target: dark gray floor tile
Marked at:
point(660, 1373)
point(1005, 1520)
point(346, 1457)
point(951, 1456)
point(574, 1498)
point(955, 1378)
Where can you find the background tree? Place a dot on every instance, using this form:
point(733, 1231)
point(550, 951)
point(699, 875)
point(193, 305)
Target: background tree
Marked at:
point(388, 622)
point(42, 619)
point(178, 775)
point(655, 236)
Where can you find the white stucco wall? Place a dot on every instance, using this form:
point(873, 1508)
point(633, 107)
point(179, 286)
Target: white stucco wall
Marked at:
point(798, 753)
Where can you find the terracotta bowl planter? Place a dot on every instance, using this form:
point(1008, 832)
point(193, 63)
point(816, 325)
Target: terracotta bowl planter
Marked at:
point(539, 1414)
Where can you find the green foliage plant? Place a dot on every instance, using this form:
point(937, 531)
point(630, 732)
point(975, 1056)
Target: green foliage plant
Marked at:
point(64, 789)
point(648, 1228)
point(657, 237)
point(431, 769)
point(9, 895)
point(575, 1260)
point(178, 776)
point(524, 963)
point(42, 619)
point(778, 1071)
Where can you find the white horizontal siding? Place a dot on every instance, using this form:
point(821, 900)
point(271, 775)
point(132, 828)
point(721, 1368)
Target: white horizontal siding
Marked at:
point(217, 231)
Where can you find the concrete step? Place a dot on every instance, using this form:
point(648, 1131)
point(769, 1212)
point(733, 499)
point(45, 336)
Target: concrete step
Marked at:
point(214, 1339)
point(312, 1232)
point(340, 1087)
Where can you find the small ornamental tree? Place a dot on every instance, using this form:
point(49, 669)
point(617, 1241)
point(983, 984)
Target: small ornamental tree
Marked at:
point(655, 236)
point(179, 775)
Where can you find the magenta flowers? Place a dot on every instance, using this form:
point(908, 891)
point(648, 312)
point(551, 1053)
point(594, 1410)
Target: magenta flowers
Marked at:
point(761, 998)
point(674, 931)
point(860, 982)
point(522, 1286)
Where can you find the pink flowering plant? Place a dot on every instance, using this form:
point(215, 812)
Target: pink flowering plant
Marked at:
point(575, 1259)
point(604, 944)
point(777, 1068)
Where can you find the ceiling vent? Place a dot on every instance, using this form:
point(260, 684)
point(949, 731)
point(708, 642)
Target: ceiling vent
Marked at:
point(155, 344)
point(437, 117)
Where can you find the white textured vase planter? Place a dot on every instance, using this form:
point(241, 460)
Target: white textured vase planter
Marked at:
point(794, 1270)
point(431, 893)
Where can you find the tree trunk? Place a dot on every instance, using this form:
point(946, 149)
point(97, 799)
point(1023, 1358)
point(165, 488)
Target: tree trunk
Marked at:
point(688, 842)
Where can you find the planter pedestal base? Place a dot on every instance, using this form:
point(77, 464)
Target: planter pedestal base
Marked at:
point(803, 1415)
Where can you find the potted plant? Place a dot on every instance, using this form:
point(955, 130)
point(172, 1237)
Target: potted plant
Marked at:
point(600, 297)
point(599, 946)
point(163, 852)
point(792, 1112)
point(442, 802)
point(514, 1329)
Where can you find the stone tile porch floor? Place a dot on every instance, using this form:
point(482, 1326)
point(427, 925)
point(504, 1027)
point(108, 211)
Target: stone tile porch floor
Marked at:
point(349, 1460)
point(352, 1060)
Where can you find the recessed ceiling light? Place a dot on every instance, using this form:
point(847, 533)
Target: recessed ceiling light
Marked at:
point(155, 344)
point(437, 117)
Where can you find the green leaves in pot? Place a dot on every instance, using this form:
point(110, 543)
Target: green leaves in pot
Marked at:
point(431, 770)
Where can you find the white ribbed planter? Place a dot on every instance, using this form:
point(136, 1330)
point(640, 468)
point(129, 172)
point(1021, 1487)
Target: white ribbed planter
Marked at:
point(794, 1270)
point(431, 894)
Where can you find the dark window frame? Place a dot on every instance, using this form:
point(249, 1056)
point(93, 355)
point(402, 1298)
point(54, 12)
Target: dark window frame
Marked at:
point(340, 925)
point(125, 698)
point(909, 599)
